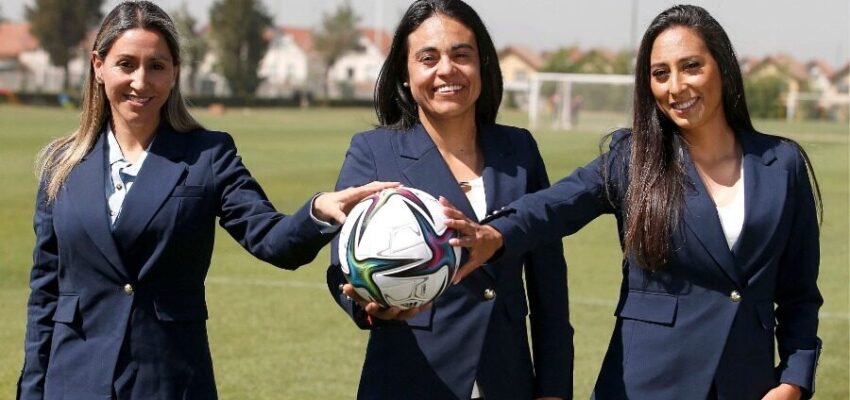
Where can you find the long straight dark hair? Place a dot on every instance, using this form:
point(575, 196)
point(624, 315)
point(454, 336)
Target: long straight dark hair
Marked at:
point(394, 103)
point(657, 173)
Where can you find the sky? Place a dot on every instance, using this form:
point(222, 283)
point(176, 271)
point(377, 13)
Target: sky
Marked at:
point(804, 29)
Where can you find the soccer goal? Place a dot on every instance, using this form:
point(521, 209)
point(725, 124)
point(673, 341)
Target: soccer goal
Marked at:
point(561, 98)
point(833, 106)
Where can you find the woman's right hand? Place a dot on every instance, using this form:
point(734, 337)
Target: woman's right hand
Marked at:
point(378, 311)
point(483, 241)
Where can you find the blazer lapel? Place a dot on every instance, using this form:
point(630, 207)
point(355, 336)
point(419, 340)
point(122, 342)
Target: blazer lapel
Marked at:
point(500, 173)
point(86, 189)
point(158, 176)
point(424, 167)
point(500, 176)
point(765, 186)
point(700, 216)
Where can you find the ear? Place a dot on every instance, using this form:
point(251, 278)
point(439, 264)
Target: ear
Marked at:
point(97, 66)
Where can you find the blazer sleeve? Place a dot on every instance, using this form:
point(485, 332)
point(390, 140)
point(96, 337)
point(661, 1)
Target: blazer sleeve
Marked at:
point(797, 296)
point(246, 213)
point(357, 169)
point(566, 206)
point(549, 314)
point(42, 301)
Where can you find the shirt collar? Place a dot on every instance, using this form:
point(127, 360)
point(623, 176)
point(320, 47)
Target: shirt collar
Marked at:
point(116, 155)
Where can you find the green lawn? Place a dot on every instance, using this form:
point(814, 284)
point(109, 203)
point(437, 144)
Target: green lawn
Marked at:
point(278, 334)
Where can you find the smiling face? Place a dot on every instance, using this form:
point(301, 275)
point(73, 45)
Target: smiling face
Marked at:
point(686, 80)
point(443, 68)
point(137, 75)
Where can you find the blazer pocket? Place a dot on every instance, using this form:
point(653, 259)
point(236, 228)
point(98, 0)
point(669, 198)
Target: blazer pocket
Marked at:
point(180, 306)
point(67, 307)
point(188, 191)
point(659, 308)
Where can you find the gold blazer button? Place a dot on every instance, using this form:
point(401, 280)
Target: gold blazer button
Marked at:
point(735, 296)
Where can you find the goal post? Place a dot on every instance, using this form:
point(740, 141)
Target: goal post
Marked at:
point(567, 104)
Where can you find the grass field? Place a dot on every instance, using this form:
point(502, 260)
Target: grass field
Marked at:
point(278, 334)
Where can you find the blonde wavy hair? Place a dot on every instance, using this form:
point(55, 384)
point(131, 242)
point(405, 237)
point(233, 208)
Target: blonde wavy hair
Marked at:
point(56, 160)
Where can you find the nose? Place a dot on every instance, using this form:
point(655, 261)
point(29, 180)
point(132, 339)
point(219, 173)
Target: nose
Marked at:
point(445, 66)
point(139, 79)
point(677, 84)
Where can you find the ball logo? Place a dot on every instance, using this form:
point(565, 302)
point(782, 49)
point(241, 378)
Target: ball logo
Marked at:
point(394, 248)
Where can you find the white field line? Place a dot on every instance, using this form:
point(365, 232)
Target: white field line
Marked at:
point(220, 280)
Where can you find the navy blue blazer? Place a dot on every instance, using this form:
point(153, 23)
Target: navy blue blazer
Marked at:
point(712, 317)
point(466, 335)
point(121, 311)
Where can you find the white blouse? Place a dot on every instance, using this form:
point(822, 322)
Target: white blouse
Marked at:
point(478, 199)
point(732, 214)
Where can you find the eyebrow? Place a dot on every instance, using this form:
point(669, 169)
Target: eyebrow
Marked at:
point(686, 58)
point(157, 57)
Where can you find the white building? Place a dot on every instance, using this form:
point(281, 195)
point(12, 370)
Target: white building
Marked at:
point(355, 73)
point(286, 67)
point(26, 67)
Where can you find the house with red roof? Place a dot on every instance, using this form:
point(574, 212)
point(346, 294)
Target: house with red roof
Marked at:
point(355, 73)
point(519, 65)
point(287, 67)
point(26, 67)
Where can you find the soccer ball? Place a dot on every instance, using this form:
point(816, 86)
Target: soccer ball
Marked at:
point(394, 248)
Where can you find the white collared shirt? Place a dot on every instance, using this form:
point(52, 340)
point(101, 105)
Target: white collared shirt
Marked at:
point(122, 175)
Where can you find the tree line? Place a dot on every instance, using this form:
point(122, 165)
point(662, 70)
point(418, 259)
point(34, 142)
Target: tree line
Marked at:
point(237, 31)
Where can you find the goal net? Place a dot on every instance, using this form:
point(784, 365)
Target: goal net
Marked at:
point(562, 101)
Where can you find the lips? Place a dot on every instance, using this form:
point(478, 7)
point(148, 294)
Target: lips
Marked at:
point(684, 106)
point(448, 89)
point(138, 100)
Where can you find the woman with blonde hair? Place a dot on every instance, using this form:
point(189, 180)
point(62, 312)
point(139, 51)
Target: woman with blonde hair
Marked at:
point(125, 221)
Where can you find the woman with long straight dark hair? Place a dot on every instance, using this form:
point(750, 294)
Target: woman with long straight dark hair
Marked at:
point(125, 224)
point(718, 224)
point(436, 100)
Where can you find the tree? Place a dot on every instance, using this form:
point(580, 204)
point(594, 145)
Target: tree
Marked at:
point(563, 60)
point(238, 28)
point(60, 25)
point(338, 35)
point(764, 96)
point(194, 45)
point(624, 62)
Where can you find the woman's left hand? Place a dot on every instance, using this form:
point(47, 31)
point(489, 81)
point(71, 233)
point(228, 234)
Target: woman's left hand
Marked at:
point(376, 310)
point(785, 391)
point(334, 206)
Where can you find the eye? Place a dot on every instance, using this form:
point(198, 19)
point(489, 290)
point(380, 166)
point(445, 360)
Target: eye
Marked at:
point(124, 64)
point(428, 59)
point(158, 66)
point(692, 65)
point(660, 74)
point(463, 57)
